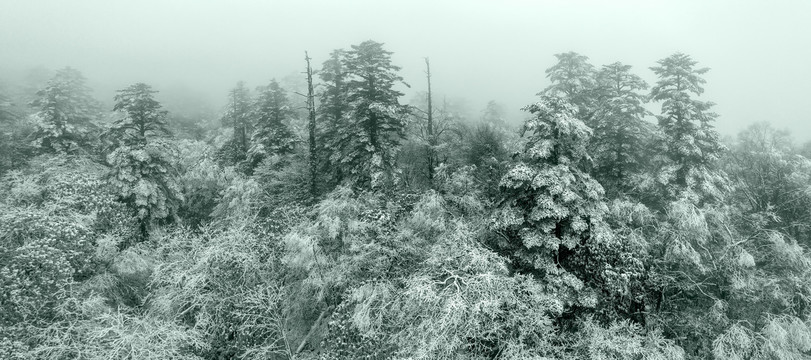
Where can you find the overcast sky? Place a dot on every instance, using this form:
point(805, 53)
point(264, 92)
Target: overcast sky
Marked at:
point(759, 52)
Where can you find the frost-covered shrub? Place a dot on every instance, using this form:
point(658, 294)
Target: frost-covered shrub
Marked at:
point(12, 349)
point(202, 182)
point(22, 189)
point(284, 180)
point(87, 329)
point(461, 189)
point(622, 340)
point(216, 282)
point(239, 202)
point(23, 226)
point(69, 186)
point(428, 218)
point(462, 304)
point(35, 278)
point(69, 183)
point(343, 339)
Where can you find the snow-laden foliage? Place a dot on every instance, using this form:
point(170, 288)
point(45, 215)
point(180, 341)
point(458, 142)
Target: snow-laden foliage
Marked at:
point(621, 135)
point(142, 159)
point(141, 118)
point(691, 143)
point(623, 340)
point(772, 180)
point(271, 113)
point(65, 113)
point(463, 304)
point(223, 284)
point(88, 330)
point(143, 176)
point(466, 243)
point(551, 206)
point(710, 285)
point(237, 116)
point(363, 141)
point(573, 78)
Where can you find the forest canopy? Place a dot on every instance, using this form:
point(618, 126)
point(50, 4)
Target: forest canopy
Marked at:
point(337, 220)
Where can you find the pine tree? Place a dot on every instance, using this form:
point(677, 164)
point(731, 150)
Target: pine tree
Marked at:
point(142, 118)
point(574, 79)
point(691, 143)
point(551, 207)
point(332, 115)
point(366, 148)
point(271, 135)
point(142, 159)
point(493, 115)
point(65, 110)
point(237, 115)
point(620, 131)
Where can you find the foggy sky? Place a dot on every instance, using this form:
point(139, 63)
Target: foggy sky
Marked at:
point(759, 52)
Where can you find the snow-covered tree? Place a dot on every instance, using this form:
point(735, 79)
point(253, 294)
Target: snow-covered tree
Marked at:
point(493, 115)
point(770, 180)
point(574, 79)
point(552, 209)
point(332, 111)
point(142, 118)
point(142, 158)
point(271, 114)
point(620, 131)
point(366, 144)
point(65, 112)
point(691, 142)
point(237, 116)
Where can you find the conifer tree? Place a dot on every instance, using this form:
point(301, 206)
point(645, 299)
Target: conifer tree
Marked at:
point(620, 131)
point(332, 114)
point(271, 135)
point(493, 115)
point(142, 118)
point(142, 159)
point(65, 110)
point(551, 207)
point(366, 146)
point(237, 115)
point(574, 79)
point(691, 142)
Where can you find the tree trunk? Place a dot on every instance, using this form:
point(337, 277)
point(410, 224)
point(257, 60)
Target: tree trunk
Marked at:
point(431, 140)
point(311, 127)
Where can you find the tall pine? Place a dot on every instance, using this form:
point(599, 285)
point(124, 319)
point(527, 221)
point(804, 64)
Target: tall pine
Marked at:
point(691, 143)
point(375, 122)
point(552, 209)
point(237, 116)
point(621, 135)
point(574, 79)
point(142, 159)
point(271, 114)
point(65, 110)
point(332, 115)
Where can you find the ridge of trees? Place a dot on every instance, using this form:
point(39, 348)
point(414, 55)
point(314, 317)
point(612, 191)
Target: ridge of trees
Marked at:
point(347, 224)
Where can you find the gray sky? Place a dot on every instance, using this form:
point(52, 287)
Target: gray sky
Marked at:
point(759, 52)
